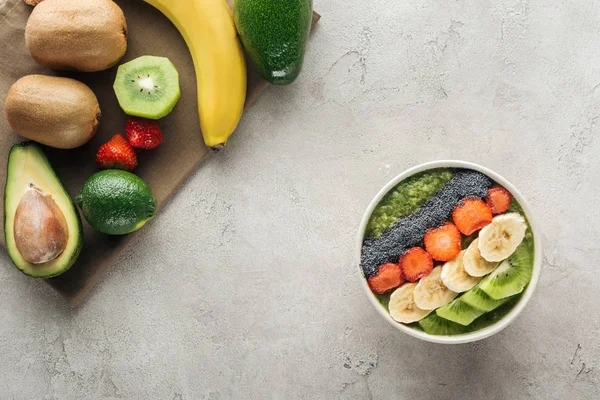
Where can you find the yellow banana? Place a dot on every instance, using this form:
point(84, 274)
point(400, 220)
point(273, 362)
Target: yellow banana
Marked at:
point(209, 31)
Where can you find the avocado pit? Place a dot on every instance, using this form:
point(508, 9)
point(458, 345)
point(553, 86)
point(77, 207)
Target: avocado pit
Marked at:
point(40, 227)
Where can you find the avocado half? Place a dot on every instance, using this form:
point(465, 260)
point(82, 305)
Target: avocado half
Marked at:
point(27, 166)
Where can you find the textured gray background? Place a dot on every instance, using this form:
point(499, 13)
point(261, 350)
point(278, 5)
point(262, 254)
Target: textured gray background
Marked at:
point(244, 286)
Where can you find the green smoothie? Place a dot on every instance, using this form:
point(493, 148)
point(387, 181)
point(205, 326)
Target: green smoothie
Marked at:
point(405, 198)
point(410, 195)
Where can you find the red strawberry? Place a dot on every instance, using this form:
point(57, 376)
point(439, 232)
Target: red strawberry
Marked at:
point(498, 200)
point(443, 243)
point(116, 153)
point(415, 264)
point(388, 277)
point(471, 215)
point(143, 133)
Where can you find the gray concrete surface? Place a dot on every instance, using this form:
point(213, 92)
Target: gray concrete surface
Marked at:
point(244, 287)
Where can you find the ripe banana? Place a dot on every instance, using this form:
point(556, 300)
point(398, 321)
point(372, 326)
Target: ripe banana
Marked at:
point(402, 305)
point(455, 277)
point(431, 292)
point(474, 264)
point(499, 240)
point(208, 29)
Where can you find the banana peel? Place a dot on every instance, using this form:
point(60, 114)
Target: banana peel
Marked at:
point(209, 31)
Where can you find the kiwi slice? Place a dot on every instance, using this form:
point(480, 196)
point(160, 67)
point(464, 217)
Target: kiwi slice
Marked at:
point(495, 315)
point(478, 299)
point(512, 275)
point(436, 325)
point(147, 87)
point(459, 312)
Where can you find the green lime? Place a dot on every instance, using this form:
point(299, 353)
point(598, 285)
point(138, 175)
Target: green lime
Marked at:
point(116, 202)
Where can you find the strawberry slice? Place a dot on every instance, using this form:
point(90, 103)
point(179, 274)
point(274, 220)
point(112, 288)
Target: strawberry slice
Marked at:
point(471, 215)
point(443, 243)
point(415, 264)
point(388, 277)
point(498, 200)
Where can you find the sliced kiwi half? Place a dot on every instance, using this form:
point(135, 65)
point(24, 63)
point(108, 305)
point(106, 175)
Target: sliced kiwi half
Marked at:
point(479, 299)
point(513, 274)
point(436, 325)
point(147, 87)
point(459, 312)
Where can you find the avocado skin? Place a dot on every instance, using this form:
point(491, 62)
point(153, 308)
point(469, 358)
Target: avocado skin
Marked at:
point(274, 34)
point(116, 202)
point(44, 160)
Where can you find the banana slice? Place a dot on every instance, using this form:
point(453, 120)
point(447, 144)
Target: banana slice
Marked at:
point(402, 305)
point(474, 264)
point(455, 277)
point(431, 292)
point(499, 240)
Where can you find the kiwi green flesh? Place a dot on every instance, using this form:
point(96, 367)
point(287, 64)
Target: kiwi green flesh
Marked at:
point(513, 274)
point(459, 312)
point(478, 299)
point(147, 87)
point(433, 324)
point(484, 321)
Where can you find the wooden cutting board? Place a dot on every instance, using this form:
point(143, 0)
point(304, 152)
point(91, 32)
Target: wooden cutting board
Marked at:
point(165, 169)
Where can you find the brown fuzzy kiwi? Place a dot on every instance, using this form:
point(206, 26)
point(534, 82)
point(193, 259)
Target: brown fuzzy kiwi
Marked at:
point(82, 35)
point(55, 111)
point(33, 2)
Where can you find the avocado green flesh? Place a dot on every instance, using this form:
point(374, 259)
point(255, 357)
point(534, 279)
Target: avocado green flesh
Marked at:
point(28, 164)
point(274, 34)
point(116, 202)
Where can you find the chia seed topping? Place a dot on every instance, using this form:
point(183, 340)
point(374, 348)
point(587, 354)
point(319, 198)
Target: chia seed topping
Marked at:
point(409, 230)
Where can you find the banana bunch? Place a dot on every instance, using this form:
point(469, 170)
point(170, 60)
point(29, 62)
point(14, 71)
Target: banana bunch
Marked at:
point(209, 31)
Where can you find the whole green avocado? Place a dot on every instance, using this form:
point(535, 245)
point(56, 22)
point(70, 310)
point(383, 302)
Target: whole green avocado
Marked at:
point(274, 34)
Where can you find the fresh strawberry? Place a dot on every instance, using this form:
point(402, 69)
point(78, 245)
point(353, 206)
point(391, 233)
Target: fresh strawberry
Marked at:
point(415, 264)
point(143, 133)
point(471, 215)
point(117, 153)
point(443, 243)
point(388, 277)
point(498, 200)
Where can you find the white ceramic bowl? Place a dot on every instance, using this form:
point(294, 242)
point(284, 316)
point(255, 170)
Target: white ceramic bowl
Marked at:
point(482, 333)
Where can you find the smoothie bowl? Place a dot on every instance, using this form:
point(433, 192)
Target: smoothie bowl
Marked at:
point(449, 252)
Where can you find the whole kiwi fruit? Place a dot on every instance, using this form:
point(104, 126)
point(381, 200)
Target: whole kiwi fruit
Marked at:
point(81, 35)
point(55, 111)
